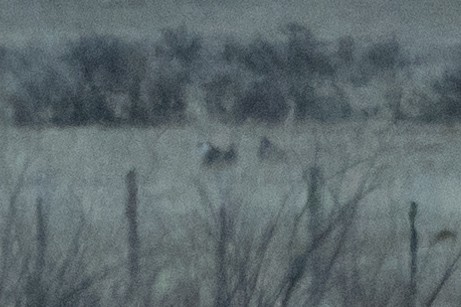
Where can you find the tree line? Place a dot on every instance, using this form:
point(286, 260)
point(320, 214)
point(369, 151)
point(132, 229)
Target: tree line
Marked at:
point(104, 79)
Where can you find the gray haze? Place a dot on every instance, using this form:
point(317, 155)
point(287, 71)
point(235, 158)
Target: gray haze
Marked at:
point(424, 23)
point(197, 225)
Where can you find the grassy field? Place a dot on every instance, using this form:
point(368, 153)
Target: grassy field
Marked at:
point(350, 211)
point(79, 173)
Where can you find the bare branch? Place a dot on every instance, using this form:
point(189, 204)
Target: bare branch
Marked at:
point(446, 276)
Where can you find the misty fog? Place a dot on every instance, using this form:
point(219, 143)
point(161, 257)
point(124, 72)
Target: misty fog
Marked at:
point(230, 153)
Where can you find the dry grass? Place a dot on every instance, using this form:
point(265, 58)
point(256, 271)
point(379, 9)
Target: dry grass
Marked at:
point(296, 232)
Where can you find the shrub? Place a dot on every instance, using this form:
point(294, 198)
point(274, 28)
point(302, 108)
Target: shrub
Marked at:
point(346, 49)
point(101, 59)
point(262, 101)
point(310, 105)
point(162, 93)
point(305, 54)
point(36, 86)
point(382, 57)
point(448, 105)
point(259, 56)
point(221, 96)
point(104, 65)
point(386, 55)
point(179, 44)
point(165, 100)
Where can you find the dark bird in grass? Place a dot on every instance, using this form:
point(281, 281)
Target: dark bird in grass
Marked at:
point(214, 156)
point(443, 235)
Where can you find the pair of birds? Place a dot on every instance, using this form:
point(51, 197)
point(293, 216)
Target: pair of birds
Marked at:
point(214, 156)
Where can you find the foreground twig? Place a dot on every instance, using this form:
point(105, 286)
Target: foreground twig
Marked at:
point(413, 254)
point(133, 236)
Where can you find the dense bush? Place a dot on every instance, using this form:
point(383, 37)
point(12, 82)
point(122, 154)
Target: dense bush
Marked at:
point(179, 44)
point(272, 73)
point(103, 79)
point(386, 55)
point(447, 106)
point(78, 86)
point(311, 105)
point(107, 61)
point(306, 55)
point(72, 87)
point(380, 60)
point(250, 88)
point(346, 50)
point(233, 101)
point(33, 84)
point(165, 99)
point(259, 56)
point(104, 65)
point(3, 53)
point(176, 57)
point(221, 96)
point(262, 101)
point(304, 100)
point(86, 83)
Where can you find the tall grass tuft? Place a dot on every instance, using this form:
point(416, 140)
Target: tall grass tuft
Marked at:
point(36, 294)
point(8, 233)
point(413, 253)
point(133, 235)
point(298, 264)
point(222, 295)
point(41, 237)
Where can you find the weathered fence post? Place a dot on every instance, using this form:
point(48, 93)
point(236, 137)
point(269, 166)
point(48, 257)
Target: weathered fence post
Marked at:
point(133, 236)
point(413, 254)
point(314, 204)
